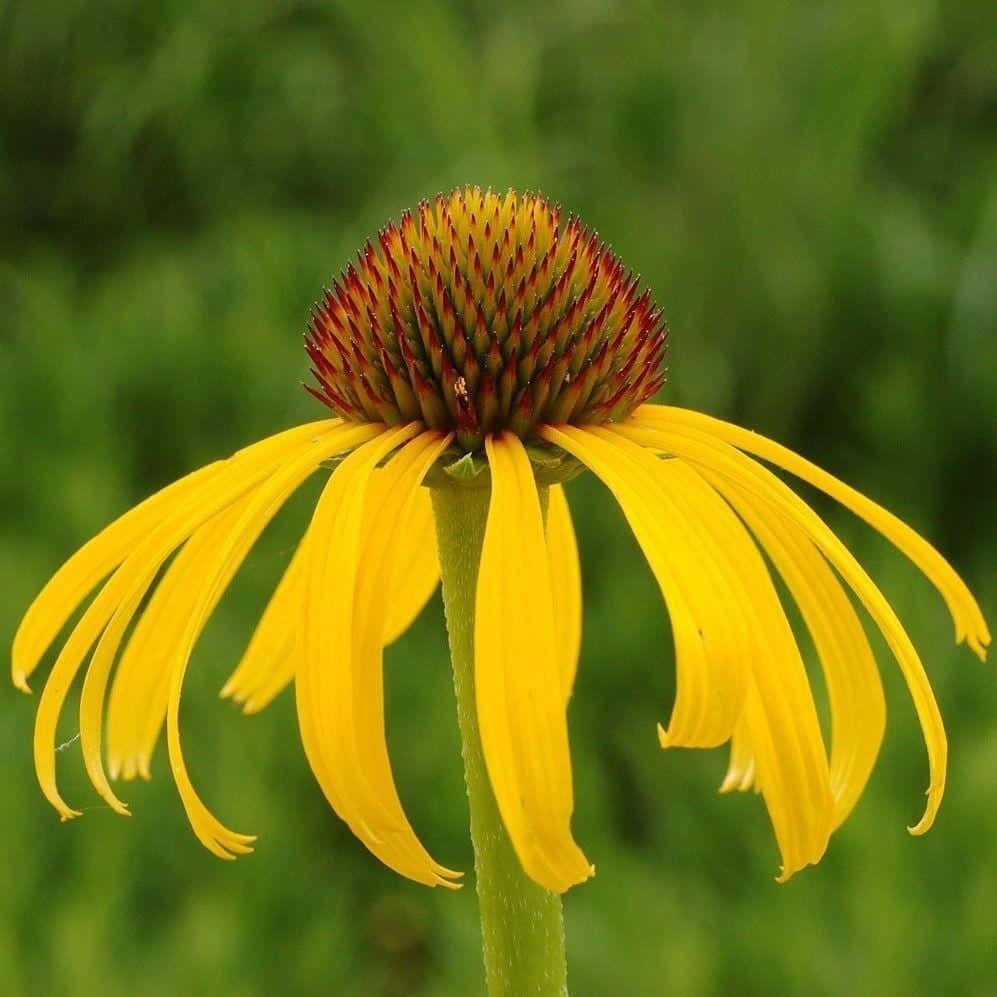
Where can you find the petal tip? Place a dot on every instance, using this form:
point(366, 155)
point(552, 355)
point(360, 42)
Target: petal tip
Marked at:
point(930, 812)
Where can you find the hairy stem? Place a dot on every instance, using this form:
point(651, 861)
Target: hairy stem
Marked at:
point(522, 930)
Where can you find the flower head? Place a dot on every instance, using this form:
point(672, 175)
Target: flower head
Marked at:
point(486, 313)
point(484, 327)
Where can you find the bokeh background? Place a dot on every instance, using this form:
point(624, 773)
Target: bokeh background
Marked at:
point(811, 191)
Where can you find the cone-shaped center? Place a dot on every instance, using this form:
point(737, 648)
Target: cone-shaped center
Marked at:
point(485, 312)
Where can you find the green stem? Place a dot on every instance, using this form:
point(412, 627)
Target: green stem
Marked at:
point(522, 930)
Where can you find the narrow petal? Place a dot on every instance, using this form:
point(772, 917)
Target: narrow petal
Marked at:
point(219, 567)
point(780, 717)
point(418, 567)
point(712, 676)
point(275, 651)
point(324, 685)
point(966, 614)
point(713, 453)
point(858, 707)
point(233, 479)
point(140, 693)
point(566, 586)
point(779, 713)
point(383, 557)
point(137, 705)
point(96, 559)
point(518, 676)
point(741, 772)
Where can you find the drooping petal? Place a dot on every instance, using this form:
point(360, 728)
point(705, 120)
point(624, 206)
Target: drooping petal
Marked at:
point(140, 691)
point(417, 571)
point(151, 696)
point(780, 716)
point(67, 588)
point(966, 614)
point(713, 453)
point(712, 675)
point(275, 651)
point(741, 772)
point(232, 480)
point(858, 707)
point(566, 586)
point(388, 512)
point(518, 676)
point(779, 712)
point(218, 569)
point(324, 684)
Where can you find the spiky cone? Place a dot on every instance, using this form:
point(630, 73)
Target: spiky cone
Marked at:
point(482, 313)
point(483, 334)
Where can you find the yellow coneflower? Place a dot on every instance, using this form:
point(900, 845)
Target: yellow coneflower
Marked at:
point(488, 350)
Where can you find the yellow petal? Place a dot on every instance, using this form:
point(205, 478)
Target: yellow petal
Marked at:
point(966, 614)
point(217, 570)
point(520, 705)
point(566, 586)
point(418, 568)
point(94, 560)
point(231, 481)
point(388, 514)
point(779, 712)
point(712, 676)
point(275, 651)
point(137, 705)
point(713, 453)
point(324, 685)
point(140, 692)
point(68, 587)
point(741, 772)
point(858, 708)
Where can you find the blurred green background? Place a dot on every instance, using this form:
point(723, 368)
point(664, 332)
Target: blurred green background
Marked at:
point(811, 191)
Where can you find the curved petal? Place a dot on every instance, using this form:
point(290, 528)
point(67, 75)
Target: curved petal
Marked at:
point(418, 568)
point(275, 651)
point(233, 479)
point(779, 713)
point(518, 686)
point(388, 516)
point(208, 582)
point(713, 453)
point(67, 588)
point(742, 774)
point(325, 683)
point(780, 717)
point(137, 704)
point(566, 586)
point(712, 677)
point(858, 707)
point(966, 614)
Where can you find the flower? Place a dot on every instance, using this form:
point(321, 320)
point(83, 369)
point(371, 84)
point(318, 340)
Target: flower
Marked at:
point(484, 343)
